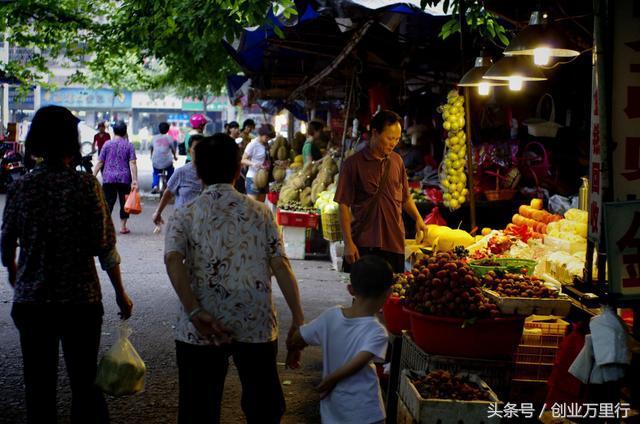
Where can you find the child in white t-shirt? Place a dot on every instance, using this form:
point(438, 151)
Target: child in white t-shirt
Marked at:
point(351, 338)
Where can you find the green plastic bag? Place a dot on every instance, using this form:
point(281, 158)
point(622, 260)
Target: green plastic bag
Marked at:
point(121, 370)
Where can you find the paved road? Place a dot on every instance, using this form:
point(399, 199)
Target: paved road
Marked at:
point(155, 305)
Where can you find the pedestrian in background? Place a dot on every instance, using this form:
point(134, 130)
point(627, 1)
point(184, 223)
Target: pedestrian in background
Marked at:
point(101, 137)
point(246, 135)
point(162, 155)
point(248, 126)
point(117, 161)
point(256, 157)
point(184, 185)
point(198, 121)
point(174, 133)
point(311, 149)
point(220, 252)
point(233, 130)
point(60, 219)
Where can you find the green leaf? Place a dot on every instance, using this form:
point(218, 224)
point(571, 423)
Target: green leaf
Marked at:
point(503, 39)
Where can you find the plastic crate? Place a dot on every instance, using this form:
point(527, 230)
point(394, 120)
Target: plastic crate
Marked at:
point(297, 219)
point(446, 411)
point(331, 230)
point(547, 324)
point(497, 374)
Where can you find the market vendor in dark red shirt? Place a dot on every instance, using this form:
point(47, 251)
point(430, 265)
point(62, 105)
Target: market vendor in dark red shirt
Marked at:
point(101, 137)
point(371, 219)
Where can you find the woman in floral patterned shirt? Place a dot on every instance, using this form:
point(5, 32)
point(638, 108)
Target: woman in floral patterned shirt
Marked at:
point(220, 251)
point(61, 221)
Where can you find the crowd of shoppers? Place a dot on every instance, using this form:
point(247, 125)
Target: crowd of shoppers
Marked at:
point(221, 250)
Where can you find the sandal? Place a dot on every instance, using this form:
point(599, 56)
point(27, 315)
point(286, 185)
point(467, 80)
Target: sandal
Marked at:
point(125, 231)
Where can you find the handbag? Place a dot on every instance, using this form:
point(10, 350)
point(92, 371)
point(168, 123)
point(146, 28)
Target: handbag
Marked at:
point(132, 205)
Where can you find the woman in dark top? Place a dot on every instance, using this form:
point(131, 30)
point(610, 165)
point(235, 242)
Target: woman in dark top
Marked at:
point(60, 219)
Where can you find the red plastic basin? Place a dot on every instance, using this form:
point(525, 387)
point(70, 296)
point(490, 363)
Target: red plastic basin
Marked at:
point(489, 338)
point(395, 317)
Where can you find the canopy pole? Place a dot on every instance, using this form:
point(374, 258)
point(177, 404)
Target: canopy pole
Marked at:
point(347, 113)
point(472, 197)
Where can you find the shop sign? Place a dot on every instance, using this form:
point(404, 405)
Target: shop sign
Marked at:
point(626, 100)
point(18, 102)
point(622, 229)
point(595, 165)
point(215, 104)
point(141, 100)
point(84, 98)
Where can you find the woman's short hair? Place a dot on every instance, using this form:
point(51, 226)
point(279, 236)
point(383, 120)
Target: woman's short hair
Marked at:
point(53, 135)
point(248, 123)
point(217, 159)
point(120, 128)
point(383, 119)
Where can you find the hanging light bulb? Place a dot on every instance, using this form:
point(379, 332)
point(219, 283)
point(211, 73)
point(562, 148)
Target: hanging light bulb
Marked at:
point(542, 40)
point(474, 77)
point(515, 83)
point(484, 88)
point(541, 56)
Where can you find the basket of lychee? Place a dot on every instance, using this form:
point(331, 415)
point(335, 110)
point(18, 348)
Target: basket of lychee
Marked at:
point(524, 295)
point(450, 314)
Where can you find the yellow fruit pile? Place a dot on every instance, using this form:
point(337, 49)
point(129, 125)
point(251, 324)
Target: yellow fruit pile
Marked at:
point(452, 175)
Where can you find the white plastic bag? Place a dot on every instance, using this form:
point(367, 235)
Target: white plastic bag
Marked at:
point(121, 370)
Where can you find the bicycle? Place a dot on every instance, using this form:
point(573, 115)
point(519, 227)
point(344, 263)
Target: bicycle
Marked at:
point(162, 183)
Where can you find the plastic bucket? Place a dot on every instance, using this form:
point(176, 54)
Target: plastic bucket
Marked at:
point(489, 338)
point(395, 317)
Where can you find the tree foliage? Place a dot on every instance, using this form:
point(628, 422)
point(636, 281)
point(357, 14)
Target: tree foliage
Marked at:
point(132, 44)
point(478, 18)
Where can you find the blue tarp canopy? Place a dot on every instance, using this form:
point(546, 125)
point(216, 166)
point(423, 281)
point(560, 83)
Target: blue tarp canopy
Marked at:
point(402, 42)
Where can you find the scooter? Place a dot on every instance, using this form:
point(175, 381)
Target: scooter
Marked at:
point(11, 167)
point(84, 161)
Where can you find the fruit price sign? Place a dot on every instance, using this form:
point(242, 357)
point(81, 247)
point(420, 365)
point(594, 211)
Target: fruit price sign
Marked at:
point(622, 229)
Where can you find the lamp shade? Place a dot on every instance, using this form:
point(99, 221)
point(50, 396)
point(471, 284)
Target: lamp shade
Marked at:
point(510, 67)
point(539, 36)
point(473, 77)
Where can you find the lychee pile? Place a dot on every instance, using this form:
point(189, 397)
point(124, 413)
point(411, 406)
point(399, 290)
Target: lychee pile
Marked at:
point(445, 285)
point(440, 384)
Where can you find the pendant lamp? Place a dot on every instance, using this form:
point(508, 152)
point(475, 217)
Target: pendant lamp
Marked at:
point(542, 41)
point(515, 70)
point(473, 77)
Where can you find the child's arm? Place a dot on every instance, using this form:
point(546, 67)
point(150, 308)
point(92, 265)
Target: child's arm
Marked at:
point(353, 366)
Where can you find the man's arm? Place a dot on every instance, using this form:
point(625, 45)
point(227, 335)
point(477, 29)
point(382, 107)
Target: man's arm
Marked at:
point(351, 253)
point(412, 210)
point(289, 286)
point(353, 366)
point(287, 281)
point(204, 322)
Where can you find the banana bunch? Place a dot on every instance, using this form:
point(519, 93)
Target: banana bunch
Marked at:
point(452, 173)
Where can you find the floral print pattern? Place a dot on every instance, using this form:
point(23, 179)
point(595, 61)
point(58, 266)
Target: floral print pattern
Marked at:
point(227, 240)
